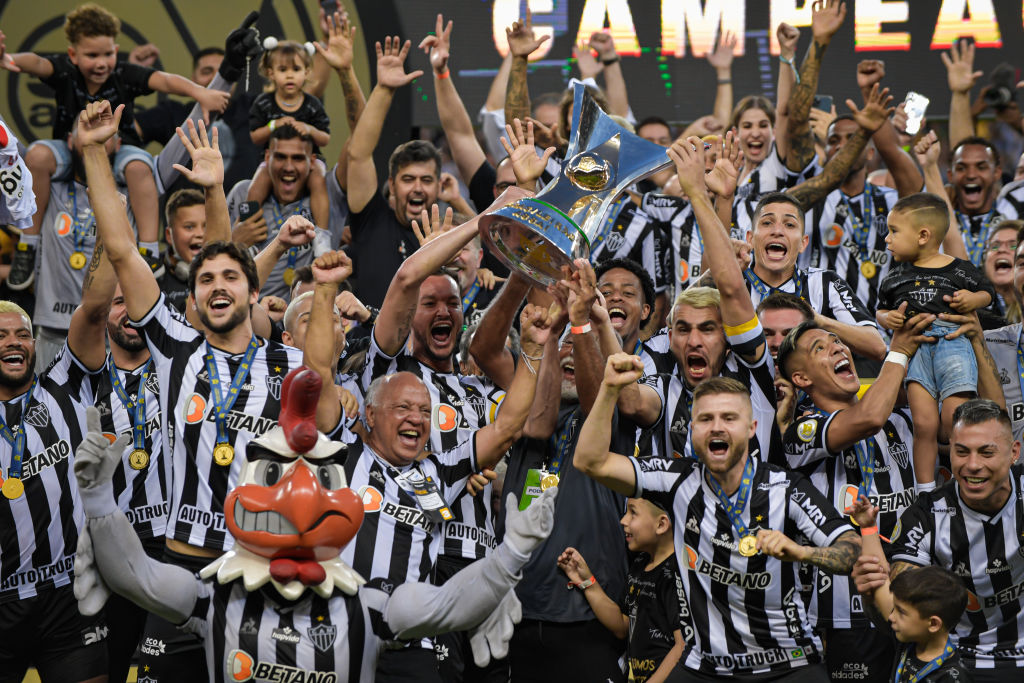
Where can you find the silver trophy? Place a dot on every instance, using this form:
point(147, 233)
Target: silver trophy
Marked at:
point(538, 235)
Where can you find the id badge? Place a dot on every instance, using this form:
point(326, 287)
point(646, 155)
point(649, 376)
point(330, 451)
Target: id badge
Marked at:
point(532, 488)
point(428, 496)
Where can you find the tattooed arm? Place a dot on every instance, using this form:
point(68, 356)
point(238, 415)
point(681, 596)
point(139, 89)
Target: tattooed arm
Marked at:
point(989, 385)
point(837, 558)
point(88, 326)
point(521, 42)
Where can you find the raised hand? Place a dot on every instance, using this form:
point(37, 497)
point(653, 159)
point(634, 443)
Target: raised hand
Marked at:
point(340, 35)
point(98, 123)
point(574, 566)
point(788, 37)
point(332, 268)
point(526, 165)
point(437, 45)
point(622, 369)
point(144, 55)
point(430, 226)
point(586, 61)
point(6, 60)
point(927, 150)
point(604, 44)
point(820, 121)
point(826, 18)
point(297, 231)
point(869, 72)
point(521, 39)
point(863, 512)
point(723, 177)
point(720, 57)
point(448, 188)
point(535, 323)
point(959, 62)
point(391, 63)
point(207, 163)
point(546, 136)
point(688, 156)
point(582, 287)
point(212, 101)
point(275, 307)
point(876, 109)
point(96, 457)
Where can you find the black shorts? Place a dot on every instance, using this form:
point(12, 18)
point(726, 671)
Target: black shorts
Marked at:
point(48, 632)
point(858, 655)
point(543, 651)
point(812, 673)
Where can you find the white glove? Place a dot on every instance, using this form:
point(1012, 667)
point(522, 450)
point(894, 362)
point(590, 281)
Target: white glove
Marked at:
point(90, 590)
point(96, 460)
point(491, 638)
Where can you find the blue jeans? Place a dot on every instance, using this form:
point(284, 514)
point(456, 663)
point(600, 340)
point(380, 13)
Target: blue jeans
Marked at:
point(946, 367)
point(122, 157)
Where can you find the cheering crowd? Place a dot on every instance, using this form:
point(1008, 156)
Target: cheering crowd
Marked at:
point(781, 403)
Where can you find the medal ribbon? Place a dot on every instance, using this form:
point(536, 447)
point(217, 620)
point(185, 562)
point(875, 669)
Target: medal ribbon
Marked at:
point(1020, 361)
point(136, 409)
point(931, 666)
point(77, 228)
point(865, 451)
point(613, 214)
point(764, 289)
point(17, 438)
point(562, 446)
point(975, 243)
point(735, 512)
point(861, 229)
point(470, 297)
point(221, 403)
point(279, 219)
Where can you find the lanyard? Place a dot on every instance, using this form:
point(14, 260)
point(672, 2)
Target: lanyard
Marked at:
point(764, 289)
point(222, 404)
point(1020, 361)
point(861, 229)
point(562, 446)
point(975, 243)
point(865, 451)
point(470, 297)
point(735, 512)
point(17, 438)
point(136, 409)
point(279, 219)
point(78, 229)
point(613, 214)
point(931, 666)
point(638, 347)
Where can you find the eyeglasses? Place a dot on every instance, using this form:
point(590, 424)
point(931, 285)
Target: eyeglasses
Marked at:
point(1008, 244)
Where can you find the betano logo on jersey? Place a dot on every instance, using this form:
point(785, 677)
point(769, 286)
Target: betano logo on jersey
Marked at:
point(885, 502)
point(726, 575)
point(195, 411)
point(373, 501)
point(240, 666)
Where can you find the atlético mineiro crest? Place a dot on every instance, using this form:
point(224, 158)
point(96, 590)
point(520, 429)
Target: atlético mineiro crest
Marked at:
point(323, 636)
point(274, 386)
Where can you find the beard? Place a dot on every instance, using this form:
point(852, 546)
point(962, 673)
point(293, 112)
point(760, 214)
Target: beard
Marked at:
point(569, 392)
point(130, 343)
point(11, 381)
point(238, 316)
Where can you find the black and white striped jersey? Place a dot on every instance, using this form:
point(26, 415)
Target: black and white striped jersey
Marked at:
point(986, 552)
point(685, 246)
point(1010, 202)
point(39, 528)
point(1003, 343)
point(141, 492)
point(975, 230)
point(397, 540)
point(843, 240)
point(672, 429)
point(258, 636)
point(460, 405)
point(632, 233)
point(836, 602)
point(189, 429)
point(747, 613)
point(825, 292)
point(657, 354)
point(771, 175)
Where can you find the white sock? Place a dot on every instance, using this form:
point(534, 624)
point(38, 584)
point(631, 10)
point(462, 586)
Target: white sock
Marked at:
point(152, 248)
point(924, 487)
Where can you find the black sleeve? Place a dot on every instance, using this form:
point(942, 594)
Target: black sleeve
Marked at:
point(974, 280)
point(158, 123)
point(135, 79)
point(317, 115)
point(62, 69)
point(885, 292)
point(481, 186)
point(259, 112)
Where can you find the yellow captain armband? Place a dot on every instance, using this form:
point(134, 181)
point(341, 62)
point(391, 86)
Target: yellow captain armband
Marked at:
point(738, 330)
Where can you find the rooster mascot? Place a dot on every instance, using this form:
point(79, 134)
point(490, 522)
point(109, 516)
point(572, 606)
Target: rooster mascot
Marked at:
point(281, 605)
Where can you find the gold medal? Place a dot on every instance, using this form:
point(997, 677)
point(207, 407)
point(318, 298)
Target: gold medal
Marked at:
point(868, 269)
point(288, 276)
point(748, 546)
point(548, 481)
point(223, 454)
point(78, 260)
point(13, 488)
point(138, 459)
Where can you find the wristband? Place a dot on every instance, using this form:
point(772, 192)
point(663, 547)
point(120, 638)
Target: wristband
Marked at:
point(868, 530)
point(581, 329)
point(724, 81)
point(898, 358)
point(441, 76)
point(584, 585)
point(609, 62)
point(796, 74)
point(272, 125)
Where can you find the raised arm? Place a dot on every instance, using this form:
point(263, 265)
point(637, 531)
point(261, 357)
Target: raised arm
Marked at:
point(488, 344)
point(86, 334)
point(458, 129)
point(297, 231)
point(493, 440)
point(614, 80)
point(720, 58)
point(28, 62)
point(329, 270)
point(521, 43)
point(362, 172)
point(96, 125)
point(927, 152)
point(875, 112)
point(903, 169)
point(827, 16)
point(337, 54)
point(788, 37)
point(592, 456)
point(173, 84)
point(960, 75)
point(208, 173)
point(543, 417)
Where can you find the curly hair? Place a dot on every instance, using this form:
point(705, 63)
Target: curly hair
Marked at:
point(86, 21)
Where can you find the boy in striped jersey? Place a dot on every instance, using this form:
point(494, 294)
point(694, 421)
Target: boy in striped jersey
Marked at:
point(972, 527)
point(735, 520)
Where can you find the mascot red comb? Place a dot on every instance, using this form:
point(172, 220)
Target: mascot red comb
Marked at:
point(291, 514)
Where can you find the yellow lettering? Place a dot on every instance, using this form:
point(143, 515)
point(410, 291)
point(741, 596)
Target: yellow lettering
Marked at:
point(620, 24)
point(868, 20)
point(980, 24)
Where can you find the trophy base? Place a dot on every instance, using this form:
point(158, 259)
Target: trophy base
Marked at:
point(534, 238)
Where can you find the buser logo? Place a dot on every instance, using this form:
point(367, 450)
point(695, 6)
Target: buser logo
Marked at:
point(195, 409)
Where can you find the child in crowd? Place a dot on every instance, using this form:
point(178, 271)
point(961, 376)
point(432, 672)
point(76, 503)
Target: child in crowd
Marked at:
point(921, 606)
point(287, 65)
point(653, 613)
point(927, 281)
point(90, 72)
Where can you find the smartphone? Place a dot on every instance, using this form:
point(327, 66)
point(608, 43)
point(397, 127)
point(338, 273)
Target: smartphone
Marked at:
point(330, 6)
point(823, 102)
point(247, 210)
point(915, 106)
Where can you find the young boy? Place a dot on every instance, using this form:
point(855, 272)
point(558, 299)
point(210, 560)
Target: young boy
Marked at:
point(926, 281)
point(90, 72)
point(921, 606)
point(653, 613)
